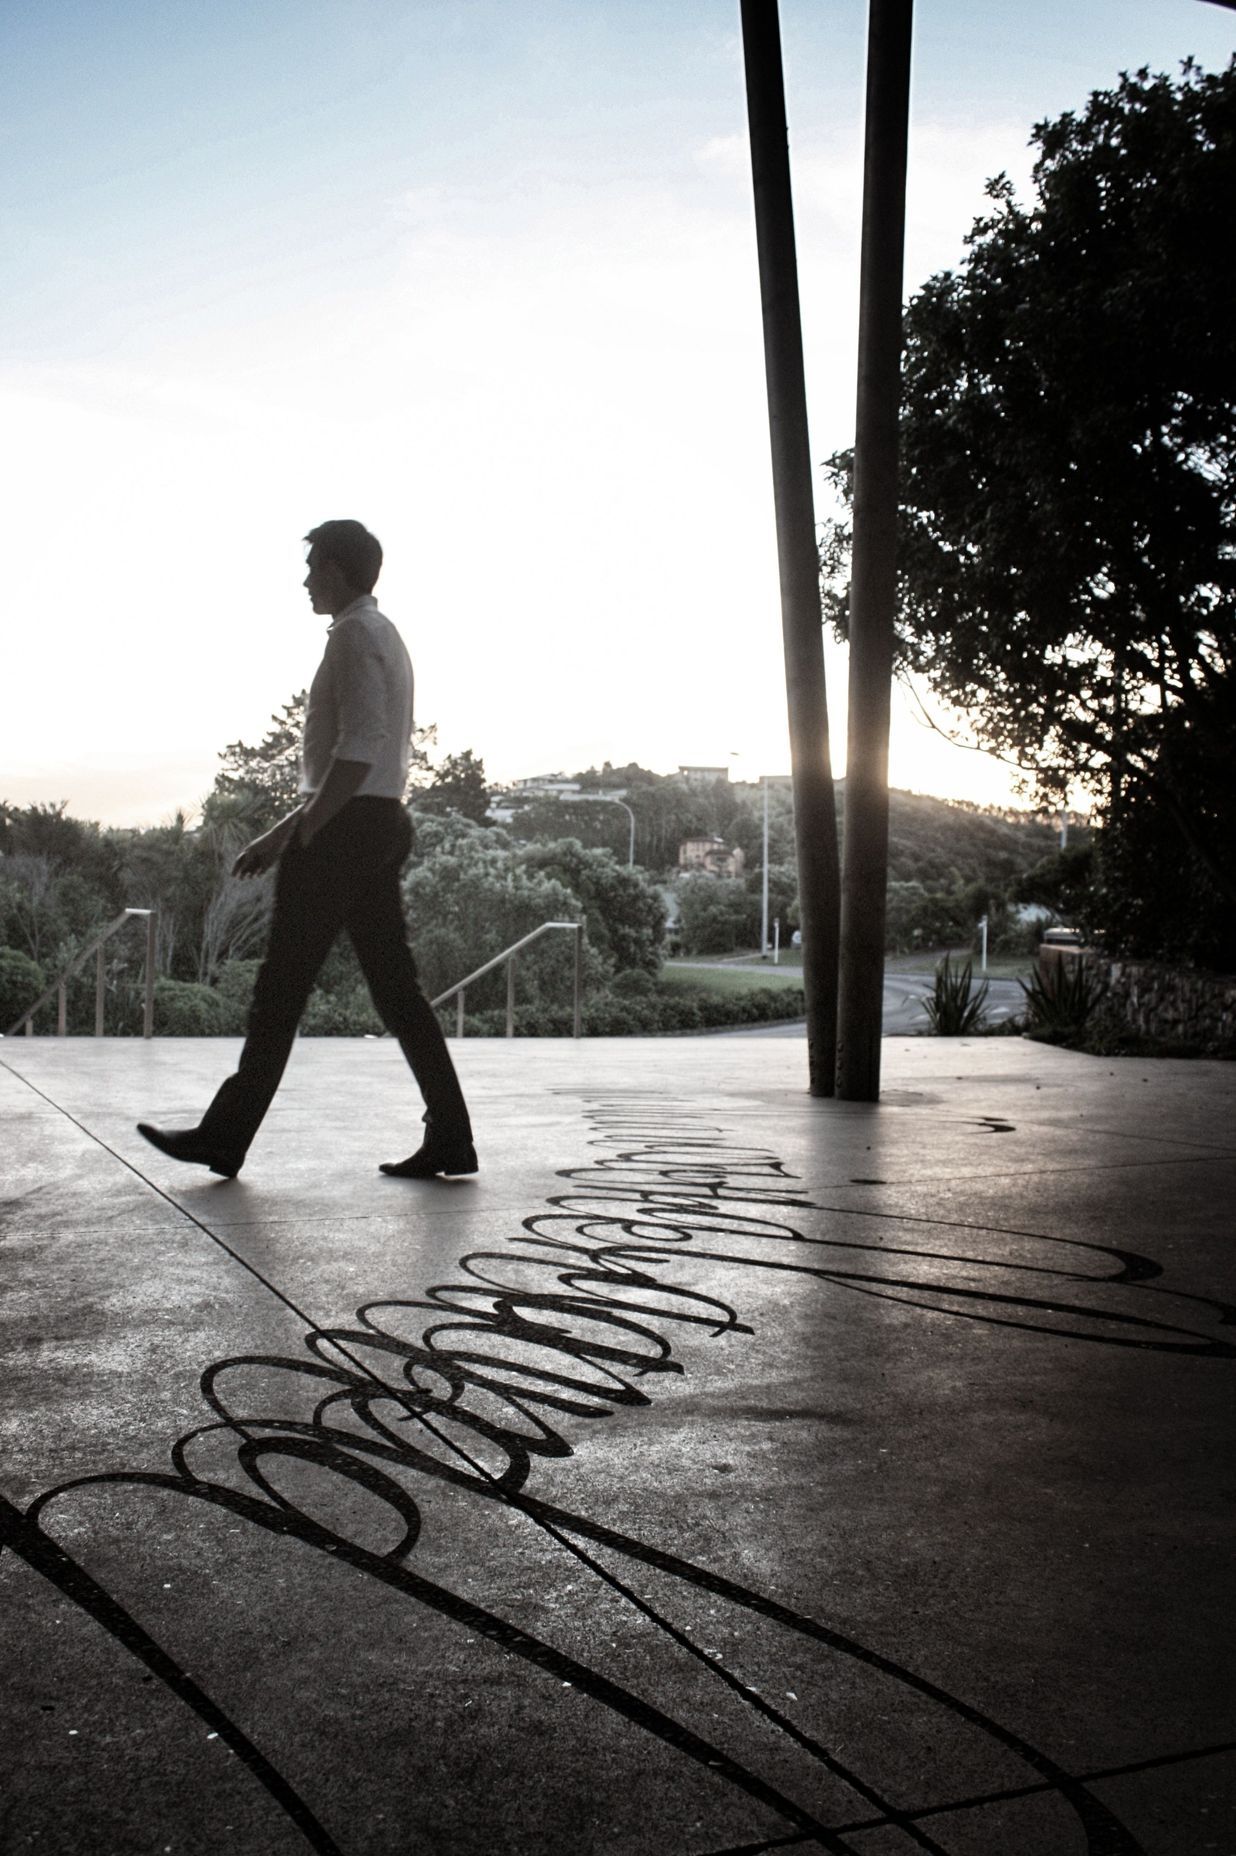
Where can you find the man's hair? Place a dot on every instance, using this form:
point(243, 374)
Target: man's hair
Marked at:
point(356, 553)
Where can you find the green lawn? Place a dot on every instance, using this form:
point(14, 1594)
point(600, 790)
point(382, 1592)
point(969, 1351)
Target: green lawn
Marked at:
point(730, 979)
point(720, 974)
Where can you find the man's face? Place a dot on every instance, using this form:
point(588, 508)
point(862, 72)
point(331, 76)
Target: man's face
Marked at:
point(327, 589)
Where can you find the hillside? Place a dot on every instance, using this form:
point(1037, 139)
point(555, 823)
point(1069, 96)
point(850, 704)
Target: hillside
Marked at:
point(942, 843)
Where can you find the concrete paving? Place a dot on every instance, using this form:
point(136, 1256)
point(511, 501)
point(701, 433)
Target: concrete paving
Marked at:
point(720, 1471)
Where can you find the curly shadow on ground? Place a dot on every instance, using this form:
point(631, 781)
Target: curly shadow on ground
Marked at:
point(465, 1388)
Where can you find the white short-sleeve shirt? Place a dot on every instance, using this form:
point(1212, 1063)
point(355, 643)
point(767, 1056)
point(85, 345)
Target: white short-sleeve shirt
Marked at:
point(360, 703)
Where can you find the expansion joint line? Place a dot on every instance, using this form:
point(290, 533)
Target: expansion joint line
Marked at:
point(808, 1825)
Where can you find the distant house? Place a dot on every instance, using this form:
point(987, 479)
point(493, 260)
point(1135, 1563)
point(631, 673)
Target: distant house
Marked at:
point(713, 856)
point(544, 785)
point(704, 776)
point(505, 801)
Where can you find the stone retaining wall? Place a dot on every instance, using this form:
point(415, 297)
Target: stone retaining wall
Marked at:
point(1156, 1001)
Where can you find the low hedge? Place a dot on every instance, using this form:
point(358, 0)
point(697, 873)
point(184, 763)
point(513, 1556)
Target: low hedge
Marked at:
point(658, 1011)
point(648, 1008)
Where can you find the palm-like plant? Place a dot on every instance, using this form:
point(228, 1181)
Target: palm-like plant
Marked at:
point(953, 1007)
point(1061, 998)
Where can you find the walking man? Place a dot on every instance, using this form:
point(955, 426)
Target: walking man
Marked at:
point(338, 857)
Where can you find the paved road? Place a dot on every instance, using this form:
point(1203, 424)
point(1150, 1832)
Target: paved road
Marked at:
point(903, 1003)
point(904, 993)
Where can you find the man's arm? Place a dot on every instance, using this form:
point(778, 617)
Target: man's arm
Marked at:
point(344, 779)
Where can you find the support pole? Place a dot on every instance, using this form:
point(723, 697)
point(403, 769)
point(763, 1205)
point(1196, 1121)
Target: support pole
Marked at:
point(100, 974)
point(764, 884)
point(152, 927)
point(873, 586)
point(577, 1024)
point(815, 818)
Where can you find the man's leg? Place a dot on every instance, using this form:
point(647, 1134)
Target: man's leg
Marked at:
point(377, 930)
point(310, 904)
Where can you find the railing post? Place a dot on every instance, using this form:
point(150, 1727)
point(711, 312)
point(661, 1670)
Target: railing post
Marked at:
point(98, 990)
point(510, 997)
point(30, 1026)
point(62, 1010)
point(459, 1012)
point(578, 1026)
point(148, 1015)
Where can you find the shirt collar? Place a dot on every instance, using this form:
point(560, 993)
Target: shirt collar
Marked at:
point(363, 603)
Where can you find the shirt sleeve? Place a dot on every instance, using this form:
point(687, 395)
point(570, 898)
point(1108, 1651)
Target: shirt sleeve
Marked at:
point(361, 696)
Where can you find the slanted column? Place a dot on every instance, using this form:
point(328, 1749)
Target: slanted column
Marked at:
point(815, 818)
point(873, 583)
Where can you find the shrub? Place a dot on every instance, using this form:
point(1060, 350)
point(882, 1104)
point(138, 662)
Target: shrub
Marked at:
point(21, 982)
point(183, 1009)
point(629, 1012)
point(1061, 998)
point(954, 1009)
point(347, 1013)
point(234, 991)
point(634, 984)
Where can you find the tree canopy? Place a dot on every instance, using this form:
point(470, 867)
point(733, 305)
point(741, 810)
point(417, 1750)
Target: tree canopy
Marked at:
point(255, 786)
point(265, 780)
point(1067, 575)
point(458, 785)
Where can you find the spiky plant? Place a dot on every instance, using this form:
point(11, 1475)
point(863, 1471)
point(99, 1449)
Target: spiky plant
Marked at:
point(1061, 998)
point(953, 1007)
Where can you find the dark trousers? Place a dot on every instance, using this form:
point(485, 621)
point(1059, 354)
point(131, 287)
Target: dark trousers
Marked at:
point(347, 878)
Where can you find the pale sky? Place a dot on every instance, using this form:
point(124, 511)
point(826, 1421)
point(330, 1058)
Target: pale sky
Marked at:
point(482, 274)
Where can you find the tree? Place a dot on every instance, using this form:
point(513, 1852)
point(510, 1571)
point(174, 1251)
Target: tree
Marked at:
point(458, 785)
point(1067, 571)
point(255, 786)
point(265, 779)
point(746, 828)
point(665, 813)
point(547, 819)
point(625, 913)
point(782, 897)
point(468, 898)
point(21, 982)
point(716, 915)
point(1061, 883)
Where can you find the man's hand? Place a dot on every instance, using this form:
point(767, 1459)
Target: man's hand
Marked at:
point(343, 779)
point(266, 850)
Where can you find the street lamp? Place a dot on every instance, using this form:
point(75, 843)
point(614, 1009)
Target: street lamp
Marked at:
point(767, 780)
point(611, 799)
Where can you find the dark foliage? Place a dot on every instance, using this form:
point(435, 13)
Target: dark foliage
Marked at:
point(265, 779)
point(624, 912)
point(1067, 560)
point(458, 785)
point(1061, 998)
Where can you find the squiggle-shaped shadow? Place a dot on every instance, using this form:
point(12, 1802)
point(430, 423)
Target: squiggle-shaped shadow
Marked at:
point(569, 1327)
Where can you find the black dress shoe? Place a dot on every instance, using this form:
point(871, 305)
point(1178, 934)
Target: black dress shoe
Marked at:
point(189, 1144)
point(433, 1158)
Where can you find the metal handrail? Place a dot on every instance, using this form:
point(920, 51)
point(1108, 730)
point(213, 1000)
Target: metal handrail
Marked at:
point(459, 989)
point(60, 986)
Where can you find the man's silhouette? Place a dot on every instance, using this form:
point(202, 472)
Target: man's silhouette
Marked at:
point(338, 856)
